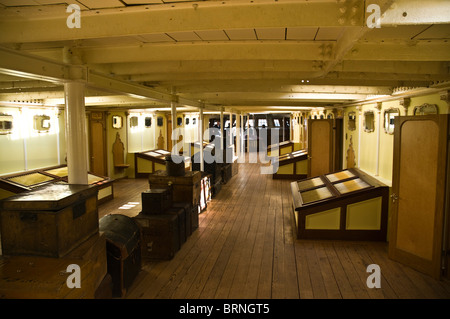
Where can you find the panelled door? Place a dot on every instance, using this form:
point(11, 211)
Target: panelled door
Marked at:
point(324, 146)
point(419, 192)
point(97, 142)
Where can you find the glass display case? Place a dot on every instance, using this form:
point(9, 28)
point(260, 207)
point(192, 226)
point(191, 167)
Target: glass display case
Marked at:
point(24, 181)
point(347, 204)
point(148, 162)
point(292, 165)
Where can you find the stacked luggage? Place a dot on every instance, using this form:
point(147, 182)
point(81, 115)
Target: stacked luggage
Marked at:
point(169, 211)
point(51, 245)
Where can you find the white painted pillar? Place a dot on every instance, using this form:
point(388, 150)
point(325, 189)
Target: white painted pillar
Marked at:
point(360, 115)
point(76, 135)
point(378, 138)
point(222, 143)
point(242, 143)
point(248, 133)
point(200, 134)
point(173, 107)
point(238, 135)
point(230, 135)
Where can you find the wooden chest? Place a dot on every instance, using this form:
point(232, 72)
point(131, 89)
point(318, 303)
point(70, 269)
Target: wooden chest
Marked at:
point(35, 277)
point(160, 235)
point(123, 247)
point(187, 207)
point(186, 188)
point(226, 172)
point(93, 250)
point(48, 221)
point(156, 201)
point(194, 211)
point(181, 215)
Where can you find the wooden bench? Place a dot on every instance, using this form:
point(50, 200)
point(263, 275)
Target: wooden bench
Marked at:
point(118, 154)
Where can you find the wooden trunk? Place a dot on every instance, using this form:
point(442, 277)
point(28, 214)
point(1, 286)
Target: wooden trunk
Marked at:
point(93, 250)
point(226, 173)
point(49, 221)
point(35, 277)
point(181, 215)
point(160, 235)
point(157, 201)
point(123, 246)
point(185, 188)
point(187, 208)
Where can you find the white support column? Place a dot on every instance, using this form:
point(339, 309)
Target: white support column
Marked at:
point(378, 107)
point(200, 135)
point(76, 135)
point(242, 143)
point(230, 132)
point(360, 115)
point(238, 135)
point(222, 143)
point(173, 106)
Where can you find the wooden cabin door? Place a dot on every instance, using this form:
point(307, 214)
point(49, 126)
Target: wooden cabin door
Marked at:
point(97, 142)
point(418, 192)
point(324, 146)
point(320, 147)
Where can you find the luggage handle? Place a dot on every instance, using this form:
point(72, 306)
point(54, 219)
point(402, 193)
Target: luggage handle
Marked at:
point(79, 210)
point(28, 217)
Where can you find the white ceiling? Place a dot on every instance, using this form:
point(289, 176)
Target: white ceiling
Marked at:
point(236, 54)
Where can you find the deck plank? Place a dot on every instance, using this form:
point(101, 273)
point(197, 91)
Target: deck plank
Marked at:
point(246, 248)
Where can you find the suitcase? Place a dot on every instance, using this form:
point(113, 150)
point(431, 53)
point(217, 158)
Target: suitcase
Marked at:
point(185, 188)
point(123, 247)
point(193, 214)
point(187, 207)
point(36, 277)
point(48, 221)
point(156, 201)
point(195, 210)
point(181, 214)
point(160, 235)
point(226, 172)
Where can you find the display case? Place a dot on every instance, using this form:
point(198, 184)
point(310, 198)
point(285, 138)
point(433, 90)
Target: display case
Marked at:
point(148, 162)
point(283, 148)
point(20, 182)
point(291, 165)
point(347, 204)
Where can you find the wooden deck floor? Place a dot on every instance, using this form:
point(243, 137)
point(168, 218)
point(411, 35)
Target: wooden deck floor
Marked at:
point(245, 247)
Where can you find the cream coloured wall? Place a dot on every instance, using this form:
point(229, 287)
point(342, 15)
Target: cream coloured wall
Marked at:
point(26, 148)
point(373, 160)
